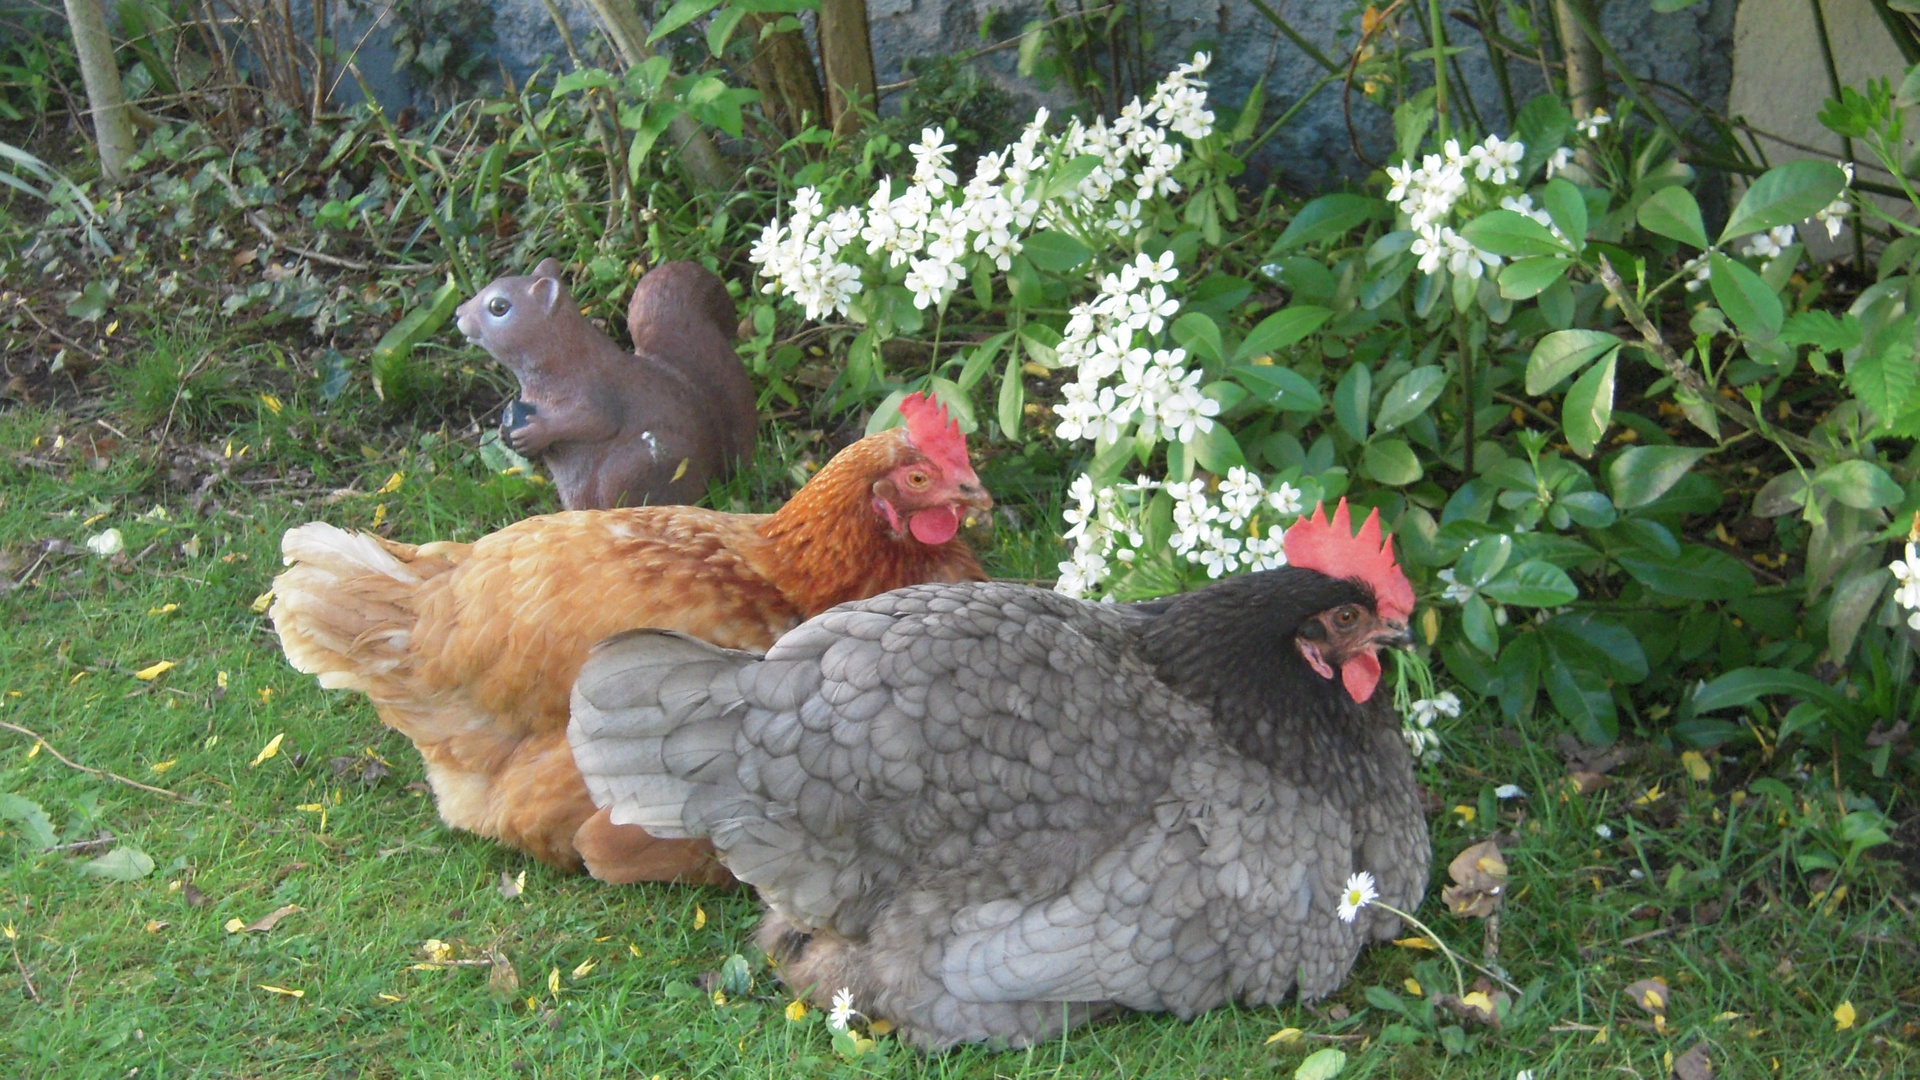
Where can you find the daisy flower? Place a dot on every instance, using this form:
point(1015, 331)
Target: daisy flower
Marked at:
point(1359, 893)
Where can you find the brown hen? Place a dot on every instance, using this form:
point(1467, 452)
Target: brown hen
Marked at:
point(470, 650)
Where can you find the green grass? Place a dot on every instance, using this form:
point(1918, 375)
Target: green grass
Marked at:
point(131, 976)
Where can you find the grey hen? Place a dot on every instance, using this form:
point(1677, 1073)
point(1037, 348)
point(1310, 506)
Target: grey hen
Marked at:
point(990, 811)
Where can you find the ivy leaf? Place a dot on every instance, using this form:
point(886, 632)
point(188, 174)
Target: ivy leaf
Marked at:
point(1672, 212)
point(1752, 305)
point(1588, 408)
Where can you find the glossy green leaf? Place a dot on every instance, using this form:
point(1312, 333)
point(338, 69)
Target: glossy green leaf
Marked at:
point(1409, 396)
point(1281, 329)
point(1625, 658)
point(1477, 622)
point(1580, 694)
point(1325, 217)
point(1512, 234)
point(1568, 209)
point(1053, 250)
point(1352, 400)
point(1588, 407)
point(1783, 195)
point(680, 15)
point(1197, 333)
point(1749, 301)
point(1673, 213)
point(1749, 684)
point(1391, 462)
point(1483, 559)
point(1697, 573)
point(1563, 352)
point(1070, 176)
point(1282, 388)
point(1216, 451)
point(1013, 397)
point(1523, 279)
point(1642, 474)
point(1532, 584)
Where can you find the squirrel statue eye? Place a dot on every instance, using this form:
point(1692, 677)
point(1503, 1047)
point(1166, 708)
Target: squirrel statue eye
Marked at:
point(498, 306)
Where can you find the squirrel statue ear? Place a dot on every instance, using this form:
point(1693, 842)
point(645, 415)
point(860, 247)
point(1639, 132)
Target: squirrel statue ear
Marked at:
point(547, 286)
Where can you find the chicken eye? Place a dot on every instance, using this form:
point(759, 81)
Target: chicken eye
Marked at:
point(1346, 616)
point(918, 479)
point(499, 306)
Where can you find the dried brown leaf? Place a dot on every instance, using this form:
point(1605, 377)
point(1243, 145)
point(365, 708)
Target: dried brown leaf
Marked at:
point(1653, 995)
point(1480, 881)
point(1694, 1064)
point(192, 894)
point(503, 982)
point(270, 920)
point(508, 887)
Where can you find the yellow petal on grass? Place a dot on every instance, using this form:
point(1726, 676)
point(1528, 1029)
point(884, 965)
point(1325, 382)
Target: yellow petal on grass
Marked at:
point(379, 514)
point(699, 916)
point(220, 680)
point(389, 997)
point(259, 605)
point(1467, 814)
point(681, 470)
point(154, 926)
point(163, 609)
point(1726, 1016)
point(163, 766)
point(310, 807)
point(272, 403)
point(282, 990)
point(1283, 1036)
point(9, 931)
point(269, 750)
point(586, 966)
point(879, 1028)
point(796, 1010)
point(148, 674)
point(1413, 987)
point(1696, 766)
point(1652, 796)
point(234, 926)
point(393, 484)
point(1844, 1016)
point(634, 949)
point(1413, 943)
point(553, 982)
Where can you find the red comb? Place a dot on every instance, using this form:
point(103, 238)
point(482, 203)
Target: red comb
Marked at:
point(1331, 548)
point(934, 435)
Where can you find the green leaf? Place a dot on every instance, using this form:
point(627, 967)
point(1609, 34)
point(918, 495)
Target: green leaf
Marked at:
point(1197, 333)
point(389, 356)
point(1524, 279)
point(1673, 213)
point(1216, 451)
point(1568, 209)
point(1860, 484)
point(1281, 329)
point(1282, 388)
point(1626, 659)
point(32, 820)
point(1321, 1065)
point(981, 359)
point(1580, 694)
point(1070, 176)
point(1533, 584)
point(1476, 621)
point(1409, 396)
point(1352, 400)
point(124, 863)
point(1668, 7)
point(1391, 462)
point(1642, 474)
point(720, 31)
point(1749, 684)
point(1588, 408)
point(1562, 353)
point(1056, 251)
point(1510, 233)
point(679, 15)
point(1697, 573)
point(1822, 330)
point(1884, 379)
point(1013, 397)
point(1783, 195)
point(1752, 305)
point(1327, 216)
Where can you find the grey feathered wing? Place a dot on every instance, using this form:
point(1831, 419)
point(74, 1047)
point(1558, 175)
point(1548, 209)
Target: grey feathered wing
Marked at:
point(971, 801)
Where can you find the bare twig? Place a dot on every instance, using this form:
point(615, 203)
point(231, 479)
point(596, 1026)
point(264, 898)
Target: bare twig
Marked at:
point(89, 770)
point(1686, 376)
point(24, 977)
point(274, 241)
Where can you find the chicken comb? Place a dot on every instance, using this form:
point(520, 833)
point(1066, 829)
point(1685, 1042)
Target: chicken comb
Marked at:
point(934, 435)
point(1332, 548)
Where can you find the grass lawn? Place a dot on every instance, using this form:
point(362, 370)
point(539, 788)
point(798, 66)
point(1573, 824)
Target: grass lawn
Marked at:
point(1686, 875)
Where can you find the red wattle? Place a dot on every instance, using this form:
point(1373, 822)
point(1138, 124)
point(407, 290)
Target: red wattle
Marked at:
point(1361, 674)
point(938, 525)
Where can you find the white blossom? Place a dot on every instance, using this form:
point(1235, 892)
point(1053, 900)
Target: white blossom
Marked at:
point(1558, 161)
point(1360, 892)
point(1906, 576)
point(1497, 161)
point(843, 1011)
point(1457, 591)
point(1590, 125)
point(1833, 215)
point(1701, 267)
point(1770, 244)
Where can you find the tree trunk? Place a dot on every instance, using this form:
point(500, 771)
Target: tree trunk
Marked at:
point(846, 60)
point(783, 72)
point(112, 120)
point(1586, 78)
point(628, 32)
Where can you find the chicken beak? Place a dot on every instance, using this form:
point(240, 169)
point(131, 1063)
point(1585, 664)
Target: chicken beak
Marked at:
point(1393, 635)
point(977, 504)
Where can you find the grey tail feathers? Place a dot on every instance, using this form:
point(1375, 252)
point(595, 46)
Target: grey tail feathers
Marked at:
point(653, 715)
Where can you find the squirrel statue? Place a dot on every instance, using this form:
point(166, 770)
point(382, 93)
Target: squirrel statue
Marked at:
point(615, 428)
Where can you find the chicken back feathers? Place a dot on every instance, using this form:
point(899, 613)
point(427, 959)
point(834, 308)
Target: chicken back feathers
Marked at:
point(470, 650)
point(985, 807)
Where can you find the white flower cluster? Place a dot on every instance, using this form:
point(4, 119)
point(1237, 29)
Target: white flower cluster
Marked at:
point(1834, 214)
point(1770, 244)
point(932, 225)
point(1417, 727)
point(1906, 576)
point(1154, 389)
point(1429, 193)
point(1701, 267)
point(1220, 532)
